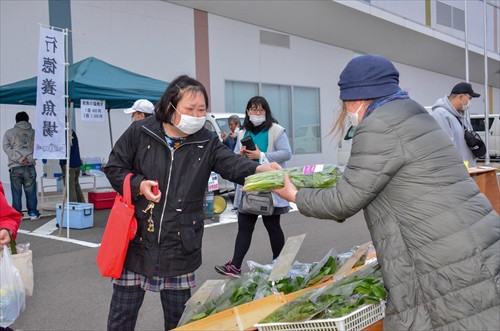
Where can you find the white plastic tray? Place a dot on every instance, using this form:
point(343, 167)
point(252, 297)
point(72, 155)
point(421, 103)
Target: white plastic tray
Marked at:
point(357, 320)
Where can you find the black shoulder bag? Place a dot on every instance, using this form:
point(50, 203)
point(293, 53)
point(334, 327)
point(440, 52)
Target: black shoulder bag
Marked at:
point(474, 141)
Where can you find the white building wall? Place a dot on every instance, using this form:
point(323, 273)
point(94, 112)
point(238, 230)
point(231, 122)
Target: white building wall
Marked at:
point(237, 55)
point(414, 10)
point(19, 33)
point(156, 39)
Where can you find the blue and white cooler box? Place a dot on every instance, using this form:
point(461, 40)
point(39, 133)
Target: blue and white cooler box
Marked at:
point(81, 215)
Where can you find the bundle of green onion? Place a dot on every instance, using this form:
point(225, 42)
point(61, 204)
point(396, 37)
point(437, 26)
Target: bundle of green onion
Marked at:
point(312, 176)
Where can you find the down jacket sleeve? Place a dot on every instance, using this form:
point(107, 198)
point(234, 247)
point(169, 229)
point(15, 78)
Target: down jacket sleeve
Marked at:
point(376, 155)
point(9, 217)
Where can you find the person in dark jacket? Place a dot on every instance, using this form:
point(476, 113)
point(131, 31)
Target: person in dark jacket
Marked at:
point(75, 163)
point(437, 237)
point(175, 149)
point(230, 139)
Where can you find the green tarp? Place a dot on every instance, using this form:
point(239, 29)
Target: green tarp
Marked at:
point(92, 79)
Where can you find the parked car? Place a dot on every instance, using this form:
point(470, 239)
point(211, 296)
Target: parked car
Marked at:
point(218, 123)
point(479, 124)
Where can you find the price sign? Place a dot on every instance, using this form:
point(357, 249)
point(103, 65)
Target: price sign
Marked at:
point(213, 182)
point(92, 110)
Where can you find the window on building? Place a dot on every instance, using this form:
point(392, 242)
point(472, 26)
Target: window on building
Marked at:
point(458, 19)
point(279, 98)
point(450, 16)
point(295, 108)
point(238, 94)
point(306, 119)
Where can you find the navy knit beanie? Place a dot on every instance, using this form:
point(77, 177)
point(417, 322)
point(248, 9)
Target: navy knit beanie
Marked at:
point(368, 77)
point(22, 116)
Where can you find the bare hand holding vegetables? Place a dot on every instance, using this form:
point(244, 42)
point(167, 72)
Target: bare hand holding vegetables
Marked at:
point(286, 182)
point(289, 191)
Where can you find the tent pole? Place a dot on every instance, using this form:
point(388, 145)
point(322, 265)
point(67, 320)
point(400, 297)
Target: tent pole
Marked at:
point(110, 131)
point(68, 152)
point(63, 206)
point(65, 203)
point(67, 119)
point(486, 97)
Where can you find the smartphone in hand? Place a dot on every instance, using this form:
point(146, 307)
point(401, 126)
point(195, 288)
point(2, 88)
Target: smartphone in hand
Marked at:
point(248, 143)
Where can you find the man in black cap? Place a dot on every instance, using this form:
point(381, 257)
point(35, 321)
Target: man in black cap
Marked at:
point(449, 112)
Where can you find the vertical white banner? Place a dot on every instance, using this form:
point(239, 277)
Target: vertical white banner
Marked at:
point(50, 96)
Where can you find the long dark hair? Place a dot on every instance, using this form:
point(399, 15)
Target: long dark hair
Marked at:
point(173, 94)
point(255, 102)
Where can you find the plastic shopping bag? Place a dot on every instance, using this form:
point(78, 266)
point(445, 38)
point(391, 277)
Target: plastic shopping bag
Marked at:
point(12, 292)
point(23, 261)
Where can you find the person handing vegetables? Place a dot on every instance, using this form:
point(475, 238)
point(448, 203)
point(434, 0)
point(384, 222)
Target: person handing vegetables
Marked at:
point(437, 237)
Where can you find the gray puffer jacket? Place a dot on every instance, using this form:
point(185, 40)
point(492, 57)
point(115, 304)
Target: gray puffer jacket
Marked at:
point(436, 236)
point(451, 121)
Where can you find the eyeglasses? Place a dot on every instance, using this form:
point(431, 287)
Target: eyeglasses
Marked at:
point(257, 111)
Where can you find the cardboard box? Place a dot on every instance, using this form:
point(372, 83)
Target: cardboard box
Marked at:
point(102, 198)
point(81, 215)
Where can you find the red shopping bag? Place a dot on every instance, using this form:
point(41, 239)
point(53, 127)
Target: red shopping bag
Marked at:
point(120, 229)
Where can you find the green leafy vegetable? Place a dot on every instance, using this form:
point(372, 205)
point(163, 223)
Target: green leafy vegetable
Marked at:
point(316, 176)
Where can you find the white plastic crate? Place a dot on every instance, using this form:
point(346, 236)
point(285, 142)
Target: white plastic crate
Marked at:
point(357, 320)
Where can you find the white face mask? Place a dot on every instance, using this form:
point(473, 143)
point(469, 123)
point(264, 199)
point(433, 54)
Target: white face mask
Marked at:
point(189, 124)
point(467, 105)
point(353, 117)
point(257, 119)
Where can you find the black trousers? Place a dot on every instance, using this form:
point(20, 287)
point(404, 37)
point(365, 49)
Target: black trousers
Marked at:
point(246, 225)
point(127, 300)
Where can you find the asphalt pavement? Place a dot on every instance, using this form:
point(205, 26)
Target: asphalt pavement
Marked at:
point(70, 293)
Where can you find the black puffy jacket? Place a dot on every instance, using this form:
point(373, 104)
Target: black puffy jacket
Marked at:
point(183, 175)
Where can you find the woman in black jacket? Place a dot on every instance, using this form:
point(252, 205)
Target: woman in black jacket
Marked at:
point(174, 149)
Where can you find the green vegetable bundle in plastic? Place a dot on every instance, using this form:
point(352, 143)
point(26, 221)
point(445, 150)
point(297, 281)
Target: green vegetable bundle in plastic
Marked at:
point(311, 176)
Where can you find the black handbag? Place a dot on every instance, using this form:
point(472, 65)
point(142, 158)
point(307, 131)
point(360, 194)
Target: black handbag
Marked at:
point(257, 203)
point(474, 141)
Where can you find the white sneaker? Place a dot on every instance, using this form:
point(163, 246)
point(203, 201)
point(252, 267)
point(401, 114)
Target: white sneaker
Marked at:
point(34, 217)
